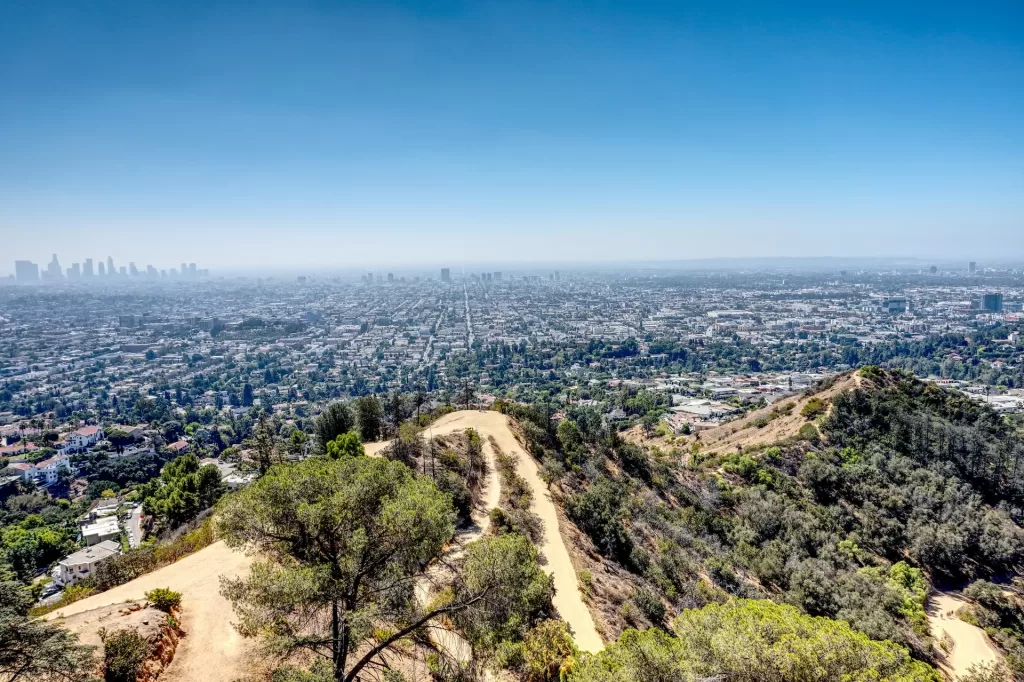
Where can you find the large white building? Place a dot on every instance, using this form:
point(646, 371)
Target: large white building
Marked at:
point(45, 472)
point(82, 439)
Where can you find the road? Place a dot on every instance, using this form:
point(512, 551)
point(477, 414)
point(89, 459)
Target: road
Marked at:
point(135, 527)
point(469, 316)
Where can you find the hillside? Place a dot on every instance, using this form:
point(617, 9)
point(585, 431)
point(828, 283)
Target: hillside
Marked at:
point(210, 650)
point(779, 421)
point(877, 513)
point(853, 504)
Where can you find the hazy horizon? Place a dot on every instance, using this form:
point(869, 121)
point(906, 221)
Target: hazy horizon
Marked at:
point(309, 135)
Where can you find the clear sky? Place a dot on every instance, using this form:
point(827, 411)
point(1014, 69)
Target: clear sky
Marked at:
point(337, 133)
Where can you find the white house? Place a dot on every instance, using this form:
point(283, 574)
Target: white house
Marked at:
point(82, 439)
point(82, 563)
point(49, 469)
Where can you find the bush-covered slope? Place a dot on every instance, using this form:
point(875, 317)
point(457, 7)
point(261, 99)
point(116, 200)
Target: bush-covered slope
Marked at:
point(899, 485)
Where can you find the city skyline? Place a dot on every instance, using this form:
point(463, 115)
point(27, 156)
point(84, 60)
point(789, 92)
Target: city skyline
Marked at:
point(29, 271)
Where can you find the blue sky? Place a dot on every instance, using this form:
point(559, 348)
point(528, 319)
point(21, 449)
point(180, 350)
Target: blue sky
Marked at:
point(336, 133)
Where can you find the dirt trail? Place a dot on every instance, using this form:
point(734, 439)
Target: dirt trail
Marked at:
point(211, 650)
point(971, 645)
point(567, 598)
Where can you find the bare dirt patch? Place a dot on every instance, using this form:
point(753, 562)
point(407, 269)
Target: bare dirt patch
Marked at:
point(781, 420)
point(971, 646)
point(211, 650)
point(153, 624)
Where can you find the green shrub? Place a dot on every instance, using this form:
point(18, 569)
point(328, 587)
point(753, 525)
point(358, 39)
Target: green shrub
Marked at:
point(649, 604)
point(872, 372)
point(809, 432)
point(164, 599)
point(546, 649)
point(813, 408)
point(586, 579)
point(124, 653)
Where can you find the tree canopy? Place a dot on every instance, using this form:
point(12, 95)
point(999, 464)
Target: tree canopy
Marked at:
point(183, 489)
point(752, 641)
point(341, 560)
point(33, 649)
point(335, 420)
point(345, 445)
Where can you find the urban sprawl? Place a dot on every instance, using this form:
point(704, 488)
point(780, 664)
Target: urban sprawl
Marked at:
point(109, 372)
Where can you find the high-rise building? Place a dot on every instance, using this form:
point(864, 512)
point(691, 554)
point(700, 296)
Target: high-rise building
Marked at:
point(110, 266)
point(53, 271)
point(391, 277)
point(446, 275)
point(184, 269)
point(497, 277)
point(124, 271)
point(192, 269)
point(151, 271)
point(87, 268)
point(74, 272)
point(992, 303)
point(100, 272)
point(134, 271)
point(933, 269)
point(972, 267)
point(26, 271)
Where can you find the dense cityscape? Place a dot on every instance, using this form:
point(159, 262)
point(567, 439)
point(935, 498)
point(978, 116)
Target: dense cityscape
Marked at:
point(190, 367)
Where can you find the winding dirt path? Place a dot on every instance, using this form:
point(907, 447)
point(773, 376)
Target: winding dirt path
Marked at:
point(567, 599)
point(971, 646)
point(211, 650)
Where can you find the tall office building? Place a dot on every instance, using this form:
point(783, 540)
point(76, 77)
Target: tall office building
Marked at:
point(26, 271)
point(87, 268)
point(391, 277)
point(100, 272)
point(497, 277)
point(74, 272)
point(446, 275)
point(53, 270)
point(124, 271)
point(151, 271)
point(184, 270)
point(192, 269)
point(110, 266)
point(134, 271)
point(992, 303)
point(972, 267)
